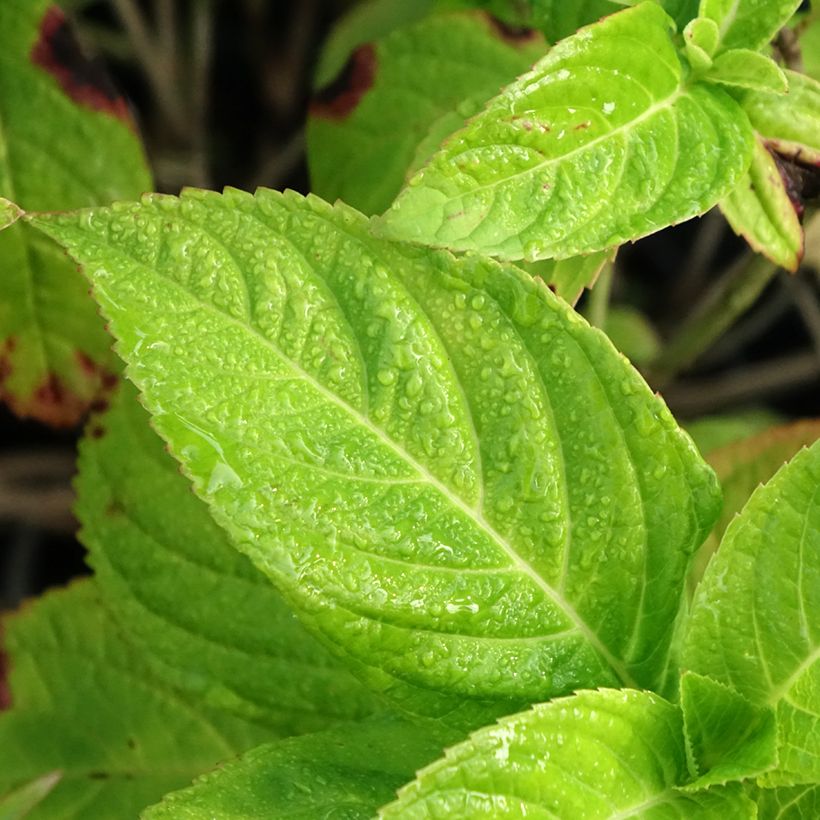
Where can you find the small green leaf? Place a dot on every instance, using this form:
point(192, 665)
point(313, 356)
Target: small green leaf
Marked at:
point(727, 738)
point(743, 68)
point(701, 37)
point(604, 118)
point(21, 802)
point(755, 622)
point(64, 143)
point(631, 332)
point(790, 803)
point(788, 123)
point(569, 277)
point(364, 131)
point(748, 24)
point(761, 211)
point(601, 754)
point(9, 213)
point(84, 704)
point(459, 483)
point(346, 772)
point(234, 643)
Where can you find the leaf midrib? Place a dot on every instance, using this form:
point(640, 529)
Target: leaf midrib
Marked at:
point(477, 518)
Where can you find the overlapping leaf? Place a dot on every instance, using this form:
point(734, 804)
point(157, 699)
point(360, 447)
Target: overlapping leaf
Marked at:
point(365, 130)
point(459, 483)
point(84, 704)
point(63, 144)
point(761, 211)
point(748, 23)
point(594, 755)
point(212, 624)
point(346, 772)
point(601, 143)
point(569, 277)
point(755, 622)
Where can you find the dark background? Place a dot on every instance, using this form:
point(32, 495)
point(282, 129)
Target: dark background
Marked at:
point(225, 104)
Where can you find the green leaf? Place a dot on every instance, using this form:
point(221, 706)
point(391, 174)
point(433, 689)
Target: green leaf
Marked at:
point(457, 481)
point(602, 754)
point(558, 19)
point(9, 213)
point(788, 123)
point(794, 803)
point(743, 68)
point(84, 704)
point(701, 37)
point(755, 622)
point(809, 33)
point(604, 118)
point(20, 803)
point(631, 332)
point(364, 131)
point(727, 738)
point(64, 143)
point(742, 466)
point(346, 772)
point(234, 643)
point(761, 211)
point(748, 24)
point(569, 277)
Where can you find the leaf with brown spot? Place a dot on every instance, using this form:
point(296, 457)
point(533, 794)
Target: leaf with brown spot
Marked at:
point(68, 143)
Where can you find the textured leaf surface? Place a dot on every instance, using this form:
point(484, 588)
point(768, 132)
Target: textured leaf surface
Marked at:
point(748, 23)
point(364, 131)
point(63, 144)
point(761, 211)
point(742, 466)
point(599, 144)
point(346, 772)
point(794, 803)
point(789, 123)
point(755, 622)
point(727, 738)
point(569, 277)
point(457, 481)
point(605, 754)
point(83, 704)
point(214, 624)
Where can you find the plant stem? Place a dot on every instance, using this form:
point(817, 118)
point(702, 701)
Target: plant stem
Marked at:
point(721, 308)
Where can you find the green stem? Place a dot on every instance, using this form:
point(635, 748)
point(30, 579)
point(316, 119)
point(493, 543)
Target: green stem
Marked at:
point(599, 296)
point(721, 308)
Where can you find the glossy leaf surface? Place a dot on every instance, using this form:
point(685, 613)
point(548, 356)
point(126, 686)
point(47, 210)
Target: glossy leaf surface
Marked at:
point(457, 481)
point(347, 772)
point(364, 132)
point(604, 118)
point(727, 738)
point(54, 354)
point(789, 123)
point(85, 705)
point(212, 624)
point(755, 622)
point(603, 754)
point(748, 23)
point(744, 68)
point(761, 211)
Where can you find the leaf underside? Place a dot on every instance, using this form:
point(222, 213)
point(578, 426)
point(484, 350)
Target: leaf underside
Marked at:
point(601, 143)
point(370, 420)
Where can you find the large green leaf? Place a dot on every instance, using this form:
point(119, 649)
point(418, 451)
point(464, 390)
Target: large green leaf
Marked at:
point(365, 130)
point(748, 23)
point(761, 211)
point(605, 754)
point(346, 773)
point(789, 123)
point(189, 601)
point(789, 803)
point(755, 622)
point(601, 143)
point(63, 144)
point(84, 704)
point(458, 482)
